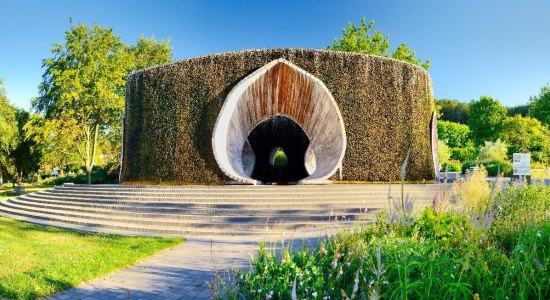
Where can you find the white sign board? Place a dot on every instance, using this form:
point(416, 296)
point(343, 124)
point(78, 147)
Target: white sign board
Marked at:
point(522, 164)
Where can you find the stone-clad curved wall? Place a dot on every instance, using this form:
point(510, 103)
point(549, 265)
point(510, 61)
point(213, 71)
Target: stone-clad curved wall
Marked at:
point(385, 105)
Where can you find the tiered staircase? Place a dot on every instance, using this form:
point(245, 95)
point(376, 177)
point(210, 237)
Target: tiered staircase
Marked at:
point(208, 211)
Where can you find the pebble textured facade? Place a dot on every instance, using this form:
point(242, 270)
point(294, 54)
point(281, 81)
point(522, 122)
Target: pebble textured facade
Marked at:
point(373, 111)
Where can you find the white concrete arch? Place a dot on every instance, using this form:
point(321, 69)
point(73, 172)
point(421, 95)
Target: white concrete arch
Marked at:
point(280, 88)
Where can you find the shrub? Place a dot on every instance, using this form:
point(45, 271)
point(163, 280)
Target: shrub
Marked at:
point(491, 166)
point(451, 167)
point(518, 208)
point(493, 151)
point(279, 159)
point(472, 195)
point(466, 153)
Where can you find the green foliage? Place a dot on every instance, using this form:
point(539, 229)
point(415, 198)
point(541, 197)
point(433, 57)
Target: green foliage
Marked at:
point(539, 106)
point(149, 52)
point(8, 132)
point(485, 119)
point(526, 135)
point(358, 39)
point(465, 153)
point(404, 53)
point(522, 110)
point(451, 167)
point(494, 151)
point(443, 151)
point(456, 135)
point(171, 112)
point(38, 261)
point(82, 92)
point(492, 167)
point(452, 110)
point(279, 159)
point(441, 255)
point(519, 209)
point(28, 153)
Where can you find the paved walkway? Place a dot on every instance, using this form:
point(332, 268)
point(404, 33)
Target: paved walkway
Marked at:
point(178, 273)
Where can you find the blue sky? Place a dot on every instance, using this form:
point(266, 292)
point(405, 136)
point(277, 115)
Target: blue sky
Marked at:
point(498, 47)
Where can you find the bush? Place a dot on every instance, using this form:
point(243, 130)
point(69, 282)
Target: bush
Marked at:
point(100, 175)
point(280, 160)
point(491, 166)
point(519, 208)
point(466, 153)
point(441, 256)
point(451, 167)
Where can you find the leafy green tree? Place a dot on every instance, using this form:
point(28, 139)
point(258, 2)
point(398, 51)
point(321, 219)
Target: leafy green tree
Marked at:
point(454, 134)
point(539, 106)
point(497, 150)
point(83, 86)
point(8, 133)
point(27, 154)
point(404, 53)
point(522, 110)
point(358, 39)
point(150, 52)
point(526, 135)
point(443, 151)
point(485, 119)
point(452, 110)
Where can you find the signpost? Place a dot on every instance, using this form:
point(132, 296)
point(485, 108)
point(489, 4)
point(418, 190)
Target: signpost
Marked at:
point(522, 166)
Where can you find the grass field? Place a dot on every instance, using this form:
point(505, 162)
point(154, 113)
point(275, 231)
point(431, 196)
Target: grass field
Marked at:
point(37, 261)
point(7, 191)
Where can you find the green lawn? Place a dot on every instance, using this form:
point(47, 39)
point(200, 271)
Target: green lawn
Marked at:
point(7, 191)
point(37, 261)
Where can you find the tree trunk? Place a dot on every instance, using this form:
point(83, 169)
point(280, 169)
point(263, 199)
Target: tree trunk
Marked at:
point(89, 174)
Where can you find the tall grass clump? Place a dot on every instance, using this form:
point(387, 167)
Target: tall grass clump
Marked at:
point(490, 244)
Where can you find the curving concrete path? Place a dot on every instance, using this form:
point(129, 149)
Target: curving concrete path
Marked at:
point(178, 273)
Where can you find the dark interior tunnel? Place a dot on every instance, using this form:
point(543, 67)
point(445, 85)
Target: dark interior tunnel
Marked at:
point(283, 132)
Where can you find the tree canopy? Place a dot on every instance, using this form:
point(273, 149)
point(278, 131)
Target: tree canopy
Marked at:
point(485, 119)
point(452, 110)
point(526, 135)
point(8, 132)
point(82, 90)
point(539, 106)
point(359, 39)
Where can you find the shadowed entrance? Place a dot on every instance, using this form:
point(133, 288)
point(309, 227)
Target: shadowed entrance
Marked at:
point(279, 132)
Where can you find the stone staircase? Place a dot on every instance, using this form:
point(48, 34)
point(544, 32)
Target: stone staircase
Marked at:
point(257, 212)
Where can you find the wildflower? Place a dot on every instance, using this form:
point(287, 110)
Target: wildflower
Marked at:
point(340, 272)
point(324, 251)
point(539, 235)
point(348, 264)
point(476, 296)
point(283, 261)
point(314, 294)
point(334, 263)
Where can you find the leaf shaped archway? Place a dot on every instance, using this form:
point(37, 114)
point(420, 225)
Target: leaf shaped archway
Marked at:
point(280, 88)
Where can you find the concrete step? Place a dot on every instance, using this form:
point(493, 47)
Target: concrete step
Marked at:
point(256, 216)
point(251, 211)
point(140, 229)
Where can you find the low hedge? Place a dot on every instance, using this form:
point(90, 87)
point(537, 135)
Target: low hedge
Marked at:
point(491, 166)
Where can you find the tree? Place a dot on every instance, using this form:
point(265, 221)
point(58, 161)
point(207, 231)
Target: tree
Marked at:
point(485, 119)
point(359, 39)
point(539, 106)
point(404, 53)
point(443, 151)
point(493, 151)
point(81, 87)
point(27, 154)
point(452, 110)
point(526, 135)
point(82, 90)
point(454, 134)
point(149, 52)
point(522, 110)
point(8, 133)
